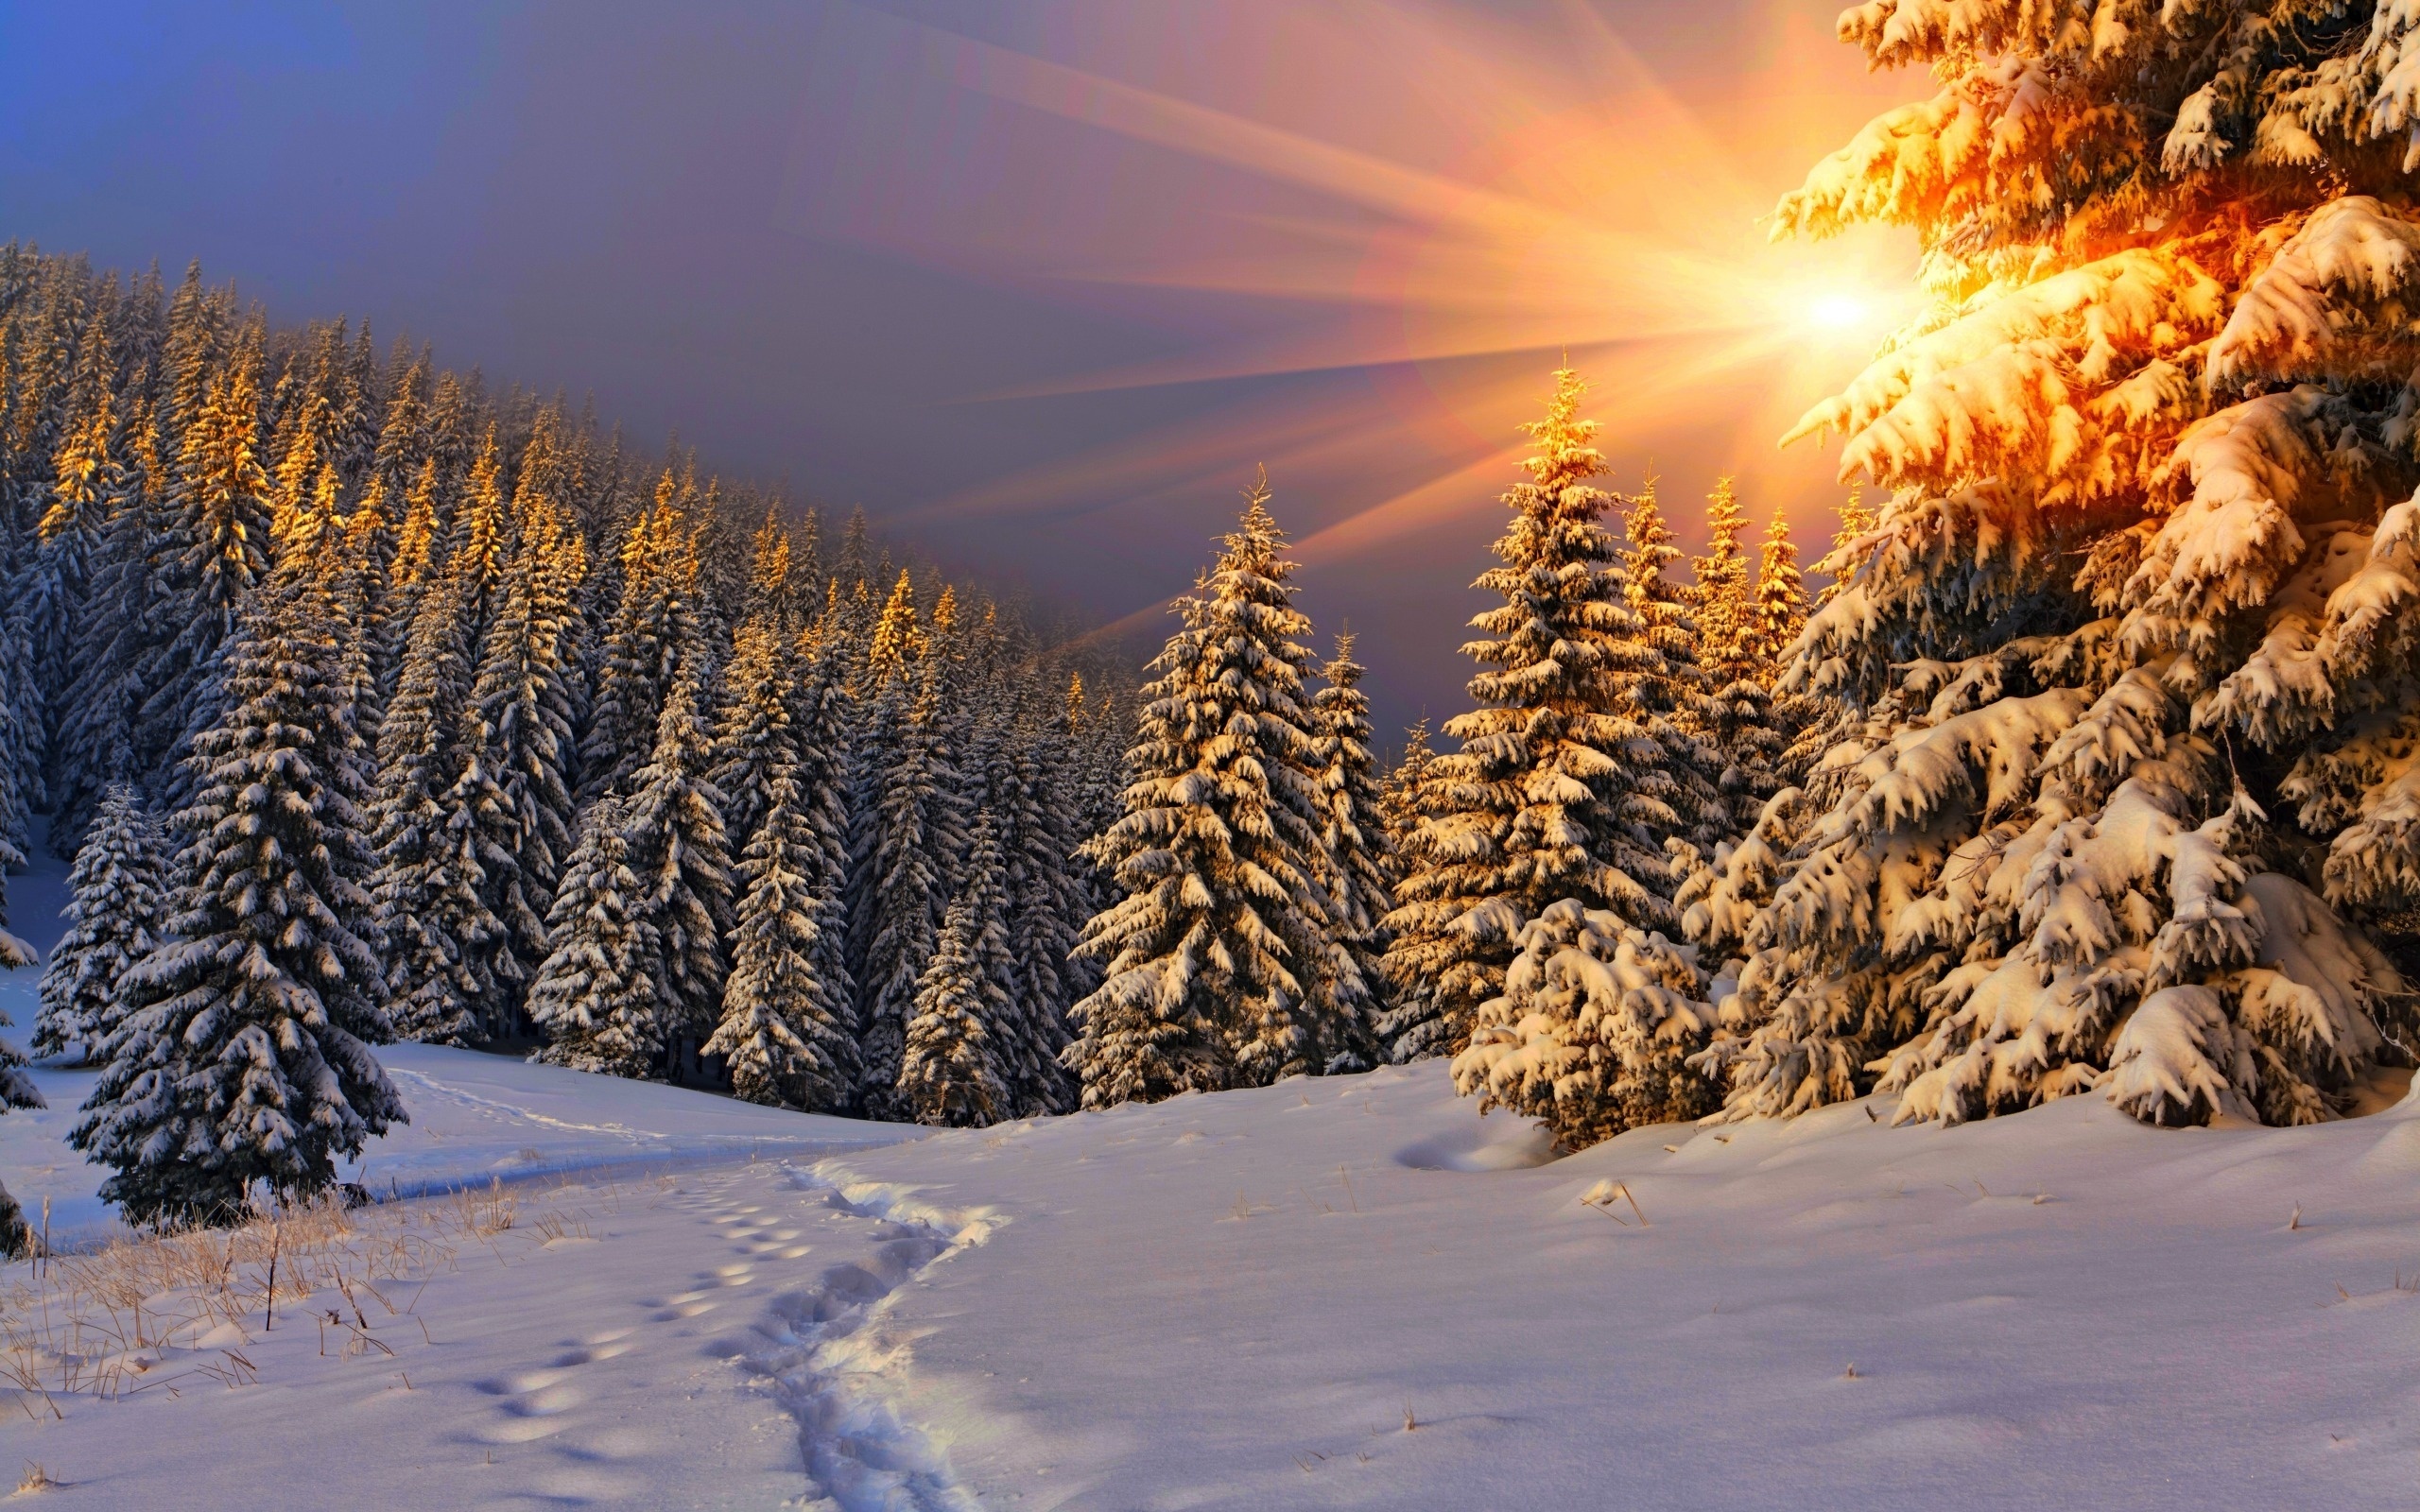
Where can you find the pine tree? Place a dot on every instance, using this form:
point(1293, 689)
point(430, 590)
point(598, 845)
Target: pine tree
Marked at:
point(116, 642)
point(1412, 1028)
point(117, 914)
point(17, 1089)
point(2134, 629)
point(1593, 1031)
point(913, 837)
point(682, 862)
point(1781, 593)
point(244, 1060)
point(754, 738)
point(427, 893)
point(215, 552)
point(1738, 671)
point(1355, 858)
point(952, 1069)
point(1675, 778)
point(520, 733)
point(1543, 801)
point(1215, 951)
point(598, 997)
point(655, 640)
point(821, 722)
point(898, 638)
point(785, 1034)
point(1855, 524)
point(1723, 599)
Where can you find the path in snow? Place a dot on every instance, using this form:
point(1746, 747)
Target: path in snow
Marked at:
point(710, 1338)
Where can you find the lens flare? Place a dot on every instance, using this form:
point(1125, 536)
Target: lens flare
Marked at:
point(1394, 219)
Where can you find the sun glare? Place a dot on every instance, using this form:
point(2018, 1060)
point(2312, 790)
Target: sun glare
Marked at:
point(1540, 201)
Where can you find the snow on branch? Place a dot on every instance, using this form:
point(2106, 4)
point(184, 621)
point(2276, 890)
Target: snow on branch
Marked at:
point(2027, 382)
point(2339, 300)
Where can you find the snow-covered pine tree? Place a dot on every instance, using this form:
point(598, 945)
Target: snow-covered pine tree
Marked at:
point(215, 552)
point(1781, 592)
point(1731, 647)
point(821, 722)
point(1721, 600)
point(914, 834)
point(521, 729)
point(598, 997)
point(772, 589)
point(655, 640)
point(1215, 949)
point(1676, 781)
point(1412, 1028)
point(898, 638)
point(1855, 527)
point(119, 893)
point(786, 1035)
point(1355, 855)
point(244, 1060)
point(2135, 631)
point(115, 639)
point(1542, 802)
point(1048, 905)
point(754, 738)
point(953, 1068)
point(1594, 1030)
point(678, 852)
point(89, 483)
point(426, 892)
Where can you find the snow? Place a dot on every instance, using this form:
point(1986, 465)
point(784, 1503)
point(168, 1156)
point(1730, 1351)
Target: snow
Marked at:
point(1240, 1299)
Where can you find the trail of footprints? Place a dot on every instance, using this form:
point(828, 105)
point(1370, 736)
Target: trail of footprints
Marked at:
point(800, 1346)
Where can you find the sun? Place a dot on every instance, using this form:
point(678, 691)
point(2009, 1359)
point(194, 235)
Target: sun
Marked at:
point(1840, 311)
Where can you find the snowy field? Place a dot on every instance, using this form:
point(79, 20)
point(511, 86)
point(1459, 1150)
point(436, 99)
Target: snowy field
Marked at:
point(1346, 1292)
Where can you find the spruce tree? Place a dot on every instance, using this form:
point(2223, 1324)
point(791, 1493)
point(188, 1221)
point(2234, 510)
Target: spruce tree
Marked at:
point(1412, 1028)
point(598, 997)
point(786, 1031)
point(914, 834)
point(1355, 855)
point(1738, 671)
point(216, 552)
point(682, 862)
point(754, 738)
point(1781, 593)
point(1675, 778)
point(117, 914)
point(520, 734)
point(1543, 800)
point(1855, 524)
point(821, 722)
point(428, 890)
point(655, 639)
point(244, 1060)
point(2131, 642)
point(952, 1069)
point(1215, 952)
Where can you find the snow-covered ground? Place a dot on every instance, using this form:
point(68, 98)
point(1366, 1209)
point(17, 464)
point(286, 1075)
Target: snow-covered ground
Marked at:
point(473, 1117)
point(1243, 1300)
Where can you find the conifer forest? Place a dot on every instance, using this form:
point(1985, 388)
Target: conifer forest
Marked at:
point(1515, 936)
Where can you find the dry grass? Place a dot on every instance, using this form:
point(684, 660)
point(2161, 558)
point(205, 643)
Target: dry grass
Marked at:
point(164, 1310)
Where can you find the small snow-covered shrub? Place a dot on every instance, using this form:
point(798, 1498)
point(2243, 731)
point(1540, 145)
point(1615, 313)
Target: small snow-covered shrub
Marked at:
point(1594, 1029)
